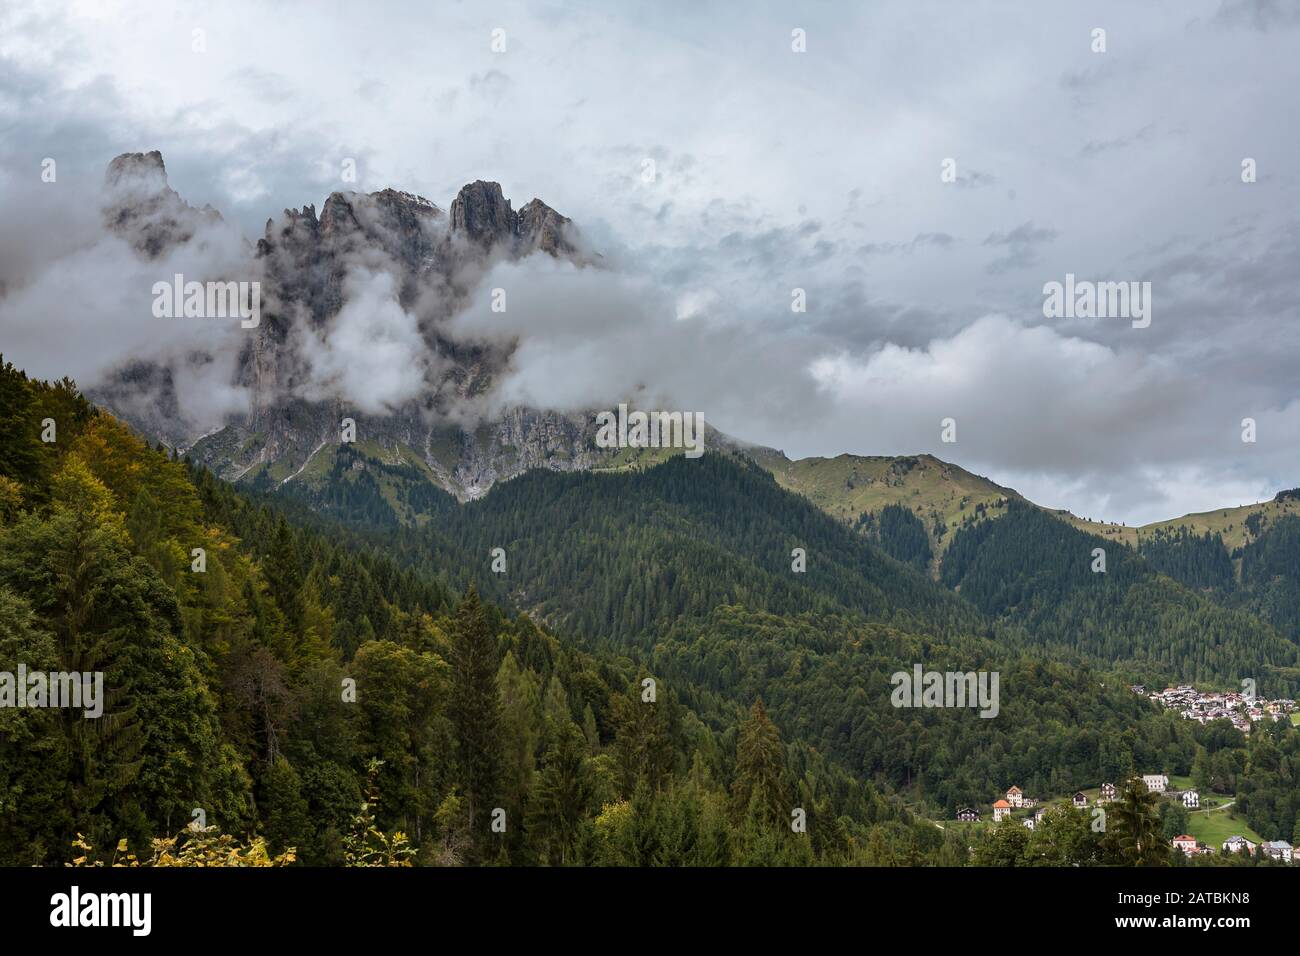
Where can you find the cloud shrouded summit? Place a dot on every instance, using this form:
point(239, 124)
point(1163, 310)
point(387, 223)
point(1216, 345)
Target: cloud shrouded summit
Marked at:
point(713, 170)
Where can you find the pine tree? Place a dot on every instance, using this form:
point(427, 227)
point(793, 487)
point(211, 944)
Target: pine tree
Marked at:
point(1133, 823)
point(23, 457)
point(283, 570)
point(287, 823)
point(562, 796)
point(760, 767)
point(474, 707)
point(642, 742)
point(521, 726)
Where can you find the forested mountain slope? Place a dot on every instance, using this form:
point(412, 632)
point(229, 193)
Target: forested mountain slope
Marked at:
point(294, 677)
point(629, 552)
point(615, 556)
point(1037, 571)
point(321, 685)
point(688, 566)
point(1262, 576)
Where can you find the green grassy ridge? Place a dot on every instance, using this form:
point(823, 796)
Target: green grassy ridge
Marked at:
point(848, 486)
point(942, 495)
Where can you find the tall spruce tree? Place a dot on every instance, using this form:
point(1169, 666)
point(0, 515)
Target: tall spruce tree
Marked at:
point(562, 796)
point(760, 767)
point(474, 706)
point(1134, 825)
point(22, 456)
point(283, 570)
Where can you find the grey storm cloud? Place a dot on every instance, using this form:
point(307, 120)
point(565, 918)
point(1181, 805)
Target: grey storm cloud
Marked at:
point(975, 179)
point(921, 239)
point(774, 171)
point(1020, 244)
point(1263, 15)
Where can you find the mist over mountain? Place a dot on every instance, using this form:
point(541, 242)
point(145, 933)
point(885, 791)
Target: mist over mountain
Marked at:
point(924, 298)
point(355, 301)
point(430, 325)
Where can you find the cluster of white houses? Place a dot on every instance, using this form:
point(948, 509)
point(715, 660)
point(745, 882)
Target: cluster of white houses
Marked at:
point(1159, 783)
point(1274, 849)
point(1016, 799)
point(1243, 710)
point(1277, 849)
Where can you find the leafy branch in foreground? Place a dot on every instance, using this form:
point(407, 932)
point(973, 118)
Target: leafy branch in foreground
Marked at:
point(197, 847)
point(366, 844)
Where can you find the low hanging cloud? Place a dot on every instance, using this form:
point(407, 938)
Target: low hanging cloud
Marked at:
point(78, 300)
point(581, 338)
point(1066, 420)
point(371, 353)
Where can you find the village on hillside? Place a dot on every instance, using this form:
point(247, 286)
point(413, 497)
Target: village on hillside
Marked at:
point(1242, 709)
point(1015, 804)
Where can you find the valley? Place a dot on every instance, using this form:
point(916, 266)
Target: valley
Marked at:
point(494, 584)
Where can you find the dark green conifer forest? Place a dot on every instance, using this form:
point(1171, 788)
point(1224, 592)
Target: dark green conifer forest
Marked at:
point(648, 681)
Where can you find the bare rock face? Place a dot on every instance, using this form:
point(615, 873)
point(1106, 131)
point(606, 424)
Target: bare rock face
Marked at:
point(409, 223)
point(522, 439)
point(142, 208)
point(543, 229)
point(144, 173)
point(306, 261)
point(465, 461)
point(482, 215)
point(307, 256)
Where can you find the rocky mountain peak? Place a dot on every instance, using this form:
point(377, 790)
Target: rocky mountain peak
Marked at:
point(402, 203)
point(307, 261)
point(143, 172)
point(141, 207)
point(482, 214)
point(542, 228)
point(337, 216)
point(293, 222)
point(411, 221)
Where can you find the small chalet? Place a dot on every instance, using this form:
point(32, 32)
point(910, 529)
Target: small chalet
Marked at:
point(1156, 782)
point(1079, 800)
point(1278, 850)
point(1235, 844)
point(968, 815)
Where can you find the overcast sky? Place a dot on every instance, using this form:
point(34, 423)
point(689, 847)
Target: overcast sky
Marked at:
point(773, 170)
